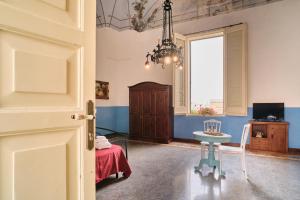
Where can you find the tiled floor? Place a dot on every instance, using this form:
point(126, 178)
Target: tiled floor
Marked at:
point(166, 172)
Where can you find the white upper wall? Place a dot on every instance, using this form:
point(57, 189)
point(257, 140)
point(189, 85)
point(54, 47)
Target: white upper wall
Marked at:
point(120, 61)
point(273, 54)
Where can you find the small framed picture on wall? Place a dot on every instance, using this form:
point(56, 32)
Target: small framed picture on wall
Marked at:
point(102, 90)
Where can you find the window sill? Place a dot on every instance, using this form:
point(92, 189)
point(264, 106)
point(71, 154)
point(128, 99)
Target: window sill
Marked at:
point(199, 115)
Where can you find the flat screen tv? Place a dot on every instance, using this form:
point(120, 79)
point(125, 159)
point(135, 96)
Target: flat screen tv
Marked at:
point(268, 111)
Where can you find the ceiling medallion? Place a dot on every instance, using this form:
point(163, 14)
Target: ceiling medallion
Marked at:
point(166, 53)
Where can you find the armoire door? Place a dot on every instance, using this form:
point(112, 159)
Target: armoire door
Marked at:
point(47, 73)
point(135, 113)
point(162, 120)
point(148, 116)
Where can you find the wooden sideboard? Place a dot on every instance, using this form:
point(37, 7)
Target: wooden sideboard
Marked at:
point(269, 136)
point(151, 112)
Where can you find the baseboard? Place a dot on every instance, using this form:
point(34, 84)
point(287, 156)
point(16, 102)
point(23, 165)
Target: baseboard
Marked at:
point(192, 141)
point(162, 141)
point(237, 145)
point(294, 150)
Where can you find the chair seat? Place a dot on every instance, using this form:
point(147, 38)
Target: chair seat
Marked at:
point(230, 149)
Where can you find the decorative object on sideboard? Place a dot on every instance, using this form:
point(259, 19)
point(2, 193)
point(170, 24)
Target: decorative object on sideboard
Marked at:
point(259, 134)
point(102, 90)
point(138, 21)
point(166, 53)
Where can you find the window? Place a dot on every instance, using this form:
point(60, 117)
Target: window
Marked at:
point(206, 75)
point(214, 75)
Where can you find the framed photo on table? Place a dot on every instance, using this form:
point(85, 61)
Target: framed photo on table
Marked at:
point(102, 90)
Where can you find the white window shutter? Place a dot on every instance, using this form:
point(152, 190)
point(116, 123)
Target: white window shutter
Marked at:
point(235, 72)
point(180, 79)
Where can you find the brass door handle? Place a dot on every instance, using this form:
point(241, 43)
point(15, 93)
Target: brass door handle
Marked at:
point(82, 117)
point(90, 123)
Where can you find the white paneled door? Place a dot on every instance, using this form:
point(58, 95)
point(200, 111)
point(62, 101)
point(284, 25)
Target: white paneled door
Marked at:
point(47, 74)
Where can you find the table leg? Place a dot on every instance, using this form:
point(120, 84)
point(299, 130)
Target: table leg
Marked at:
point(199, 167)
point(211, 154)
point(210, 161)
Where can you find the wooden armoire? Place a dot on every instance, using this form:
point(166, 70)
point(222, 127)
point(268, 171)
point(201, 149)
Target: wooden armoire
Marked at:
point(151, 112)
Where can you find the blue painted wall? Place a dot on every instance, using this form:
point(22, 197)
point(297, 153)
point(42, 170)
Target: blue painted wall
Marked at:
point(184, 126)
point(117, 118)
point(292, 115)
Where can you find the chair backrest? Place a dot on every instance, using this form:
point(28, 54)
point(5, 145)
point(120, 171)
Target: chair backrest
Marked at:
point(212, 125)
point(245, 135)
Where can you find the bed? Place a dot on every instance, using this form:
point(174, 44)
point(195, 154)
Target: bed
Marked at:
point(112, 160)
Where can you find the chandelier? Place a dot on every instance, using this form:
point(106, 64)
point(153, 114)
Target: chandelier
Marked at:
point(167, 52)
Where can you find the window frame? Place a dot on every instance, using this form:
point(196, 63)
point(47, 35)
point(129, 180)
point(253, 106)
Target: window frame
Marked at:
point(231, 106)
point(195, 37)
point(181, 110)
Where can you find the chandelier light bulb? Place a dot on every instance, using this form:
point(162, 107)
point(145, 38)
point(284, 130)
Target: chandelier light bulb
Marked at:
point(167, 60)
point(147, 65)
point(180, 67)
point(175, 58)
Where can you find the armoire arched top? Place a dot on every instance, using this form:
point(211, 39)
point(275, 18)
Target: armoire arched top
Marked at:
point(148, 84)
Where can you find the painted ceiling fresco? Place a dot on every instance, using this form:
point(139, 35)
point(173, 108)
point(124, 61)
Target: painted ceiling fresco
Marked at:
point(120, 14)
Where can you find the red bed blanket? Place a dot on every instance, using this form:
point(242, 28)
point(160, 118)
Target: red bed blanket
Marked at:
point(110, 161)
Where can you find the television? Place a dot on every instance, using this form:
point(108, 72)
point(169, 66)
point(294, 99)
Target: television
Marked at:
point(268, 111)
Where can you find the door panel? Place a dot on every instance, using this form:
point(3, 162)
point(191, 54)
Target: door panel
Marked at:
point(278, 142)
point(148, 126)
point(136, 102)
point(148, 114)
point(277, 136)
point(53, 78)
point(162, 126)
point(60, 11)
point(162, 102)
point(149, 102)
point(48, 177)
point(47, 70)
point(135, 125)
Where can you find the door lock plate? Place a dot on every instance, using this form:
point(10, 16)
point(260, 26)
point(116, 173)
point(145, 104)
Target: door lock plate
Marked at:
point(90, 125)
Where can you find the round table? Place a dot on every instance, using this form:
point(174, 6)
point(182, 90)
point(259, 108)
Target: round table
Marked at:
point(211, 139)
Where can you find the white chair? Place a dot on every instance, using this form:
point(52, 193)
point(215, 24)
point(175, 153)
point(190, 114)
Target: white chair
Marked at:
point(211, 125)
point(237, 150)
